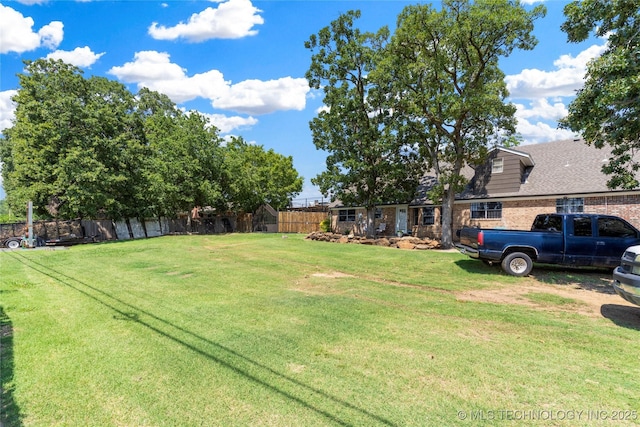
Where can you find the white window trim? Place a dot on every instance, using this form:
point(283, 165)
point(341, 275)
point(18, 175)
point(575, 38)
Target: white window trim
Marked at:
point(497, 165)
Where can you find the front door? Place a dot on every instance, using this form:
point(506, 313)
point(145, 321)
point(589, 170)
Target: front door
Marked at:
point(401, 218)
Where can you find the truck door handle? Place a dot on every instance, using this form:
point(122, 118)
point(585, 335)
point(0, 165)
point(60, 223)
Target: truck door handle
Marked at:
point(599, 243)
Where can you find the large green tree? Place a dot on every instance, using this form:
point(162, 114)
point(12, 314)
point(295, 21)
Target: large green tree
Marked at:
point(443, 68)
point(607, 108)
point(366, 165)
point(73, 146)
point(253, 176)
point(82, 148)
point(184, 168)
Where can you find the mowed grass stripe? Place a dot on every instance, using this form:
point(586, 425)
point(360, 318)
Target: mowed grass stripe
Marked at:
point(263, 330)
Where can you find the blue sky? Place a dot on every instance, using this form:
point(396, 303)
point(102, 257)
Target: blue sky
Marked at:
point(242, 62)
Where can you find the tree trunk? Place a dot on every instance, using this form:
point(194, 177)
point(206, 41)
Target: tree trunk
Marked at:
point(447, 219)
point(371, 222)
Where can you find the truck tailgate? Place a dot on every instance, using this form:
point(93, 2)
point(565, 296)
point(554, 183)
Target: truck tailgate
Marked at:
point(469, 237)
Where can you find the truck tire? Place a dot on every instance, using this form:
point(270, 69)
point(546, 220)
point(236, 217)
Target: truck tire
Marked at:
point(13, 243)
point(517, 264)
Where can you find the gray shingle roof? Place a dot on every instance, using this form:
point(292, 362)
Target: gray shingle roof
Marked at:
point(561, 168)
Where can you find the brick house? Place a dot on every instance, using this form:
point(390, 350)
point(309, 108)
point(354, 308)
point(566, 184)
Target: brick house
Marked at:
point(508, 191)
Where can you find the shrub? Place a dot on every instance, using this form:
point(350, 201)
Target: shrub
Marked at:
point(325, 225)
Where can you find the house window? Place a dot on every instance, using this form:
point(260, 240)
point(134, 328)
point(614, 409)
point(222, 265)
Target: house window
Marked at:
point(428, 216)
point(347, 215)
point(497, 165)
point(486, 210)
point(378, 214)
point(566, 205)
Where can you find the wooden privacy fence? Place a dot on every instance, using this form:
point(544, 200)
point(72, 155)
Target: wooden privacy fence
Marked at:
point(95, 229)
point(135, 228)
point(300, 222)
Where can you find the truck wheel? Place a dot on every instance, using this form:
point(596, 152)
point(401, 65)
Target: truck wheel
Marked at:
point(517, 264)
point(12, 243)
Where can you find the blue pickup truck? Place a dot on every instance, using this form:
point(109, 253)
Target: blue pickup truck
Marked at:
point(576, 240)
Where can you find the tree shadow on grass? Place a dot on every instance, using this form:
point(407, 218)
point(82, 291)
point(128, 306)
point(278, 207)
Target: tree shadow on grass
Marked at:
point(289, 388)
point(622, 315)
point(591, 279)
point(9, 410)
point(476, 266)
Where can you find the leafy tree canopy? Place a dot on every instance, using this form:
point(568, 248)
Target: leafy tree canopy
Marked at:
point(433, 91)
point(450, 90)
point(185, 166)
point(68, 150)
point(254, 176)
point(607, 108)
point(87, 148)
point(366, 163)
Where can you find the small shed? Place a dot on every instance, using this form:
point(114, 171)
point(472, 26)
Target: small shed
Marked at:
point(265, 219)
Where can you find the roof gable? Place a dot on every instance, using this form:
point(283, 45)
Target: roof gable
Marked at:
point(556, 168)
point(525, 158)
point(559, 168)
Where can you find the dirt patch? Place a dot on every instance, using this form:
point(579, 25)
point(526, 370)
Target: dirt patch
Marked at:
point(322, 287)
point(332, 275)
point(296, 368)
point(591, 295)
point(584, 292)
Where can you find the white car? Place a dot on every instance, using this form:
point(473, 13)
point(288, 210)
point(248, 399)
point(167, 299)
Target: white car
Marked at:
point(626, 277)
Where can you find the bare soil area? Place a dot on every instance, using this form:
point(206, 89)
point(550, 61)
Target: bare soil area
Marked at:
point(584, 292)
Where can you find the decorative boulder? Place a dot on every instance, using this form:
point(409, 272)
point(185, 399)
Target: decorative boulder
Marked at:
point(407, 242)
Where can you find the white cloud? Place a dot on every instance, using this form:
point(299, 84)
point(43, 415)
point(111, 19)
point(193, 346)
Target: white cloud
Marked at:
point(226, 124)
point(533, 133)
point(18, 36)
point(32, 2)
point(231, 20)
point(262, 97)
point(538, 121)
point(547, 94)
point(51, 34)
point(7, 109)
point(80, 56)
point(155, 71)
point(542, 109)
point(149, 66)
point(565, 80)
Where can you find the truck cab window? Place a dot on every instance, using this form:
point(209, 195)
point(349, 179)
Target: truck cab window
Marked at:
point(547, 223)
point(582, 226)
point(613, 227)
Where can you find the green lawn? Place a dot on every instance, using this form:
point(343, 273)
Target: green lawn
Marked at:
point(261, 330)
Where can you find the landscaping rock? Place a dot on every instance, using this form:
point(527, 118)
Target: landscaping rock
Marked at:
point(383, 242)
point(406, 242)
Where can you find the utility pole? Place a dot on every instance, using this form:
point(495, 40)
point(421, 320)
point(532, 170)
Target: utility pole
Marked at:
point(29, 242)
